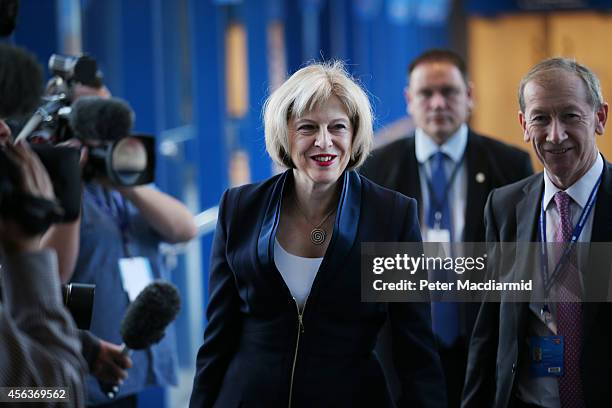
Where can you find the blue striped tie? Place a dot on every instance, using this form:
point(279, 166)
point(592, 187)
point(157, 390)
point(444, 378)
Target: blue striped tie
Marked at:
point(445, 315)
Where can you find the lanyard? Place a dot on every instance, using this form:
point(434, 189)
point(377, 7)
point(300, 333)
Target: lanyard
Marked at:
point(119, 215)
point(438, 205)
point(549, 280)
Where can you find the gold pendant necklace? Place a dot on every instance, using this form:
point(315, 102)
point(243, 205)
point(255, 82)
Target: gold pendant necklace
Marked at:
point(318, 235)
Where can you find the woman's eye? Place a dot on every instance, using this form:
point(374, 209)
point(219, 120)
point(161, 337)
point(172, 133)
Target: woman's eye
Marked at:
point(306, 128)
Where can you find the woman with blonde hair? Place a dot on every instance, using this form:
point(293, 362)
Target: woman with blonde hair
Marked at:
point(286, 325)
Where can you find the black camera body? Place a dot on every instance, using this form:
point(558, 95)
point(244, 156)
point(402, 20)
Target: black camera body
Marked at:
point(102, 124)
point(35, 214)
point(79, 300)
point(82, 69)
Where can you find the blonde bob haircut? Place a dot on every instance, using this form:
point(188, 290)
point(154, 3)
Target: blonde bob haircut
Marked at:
point(301, 93)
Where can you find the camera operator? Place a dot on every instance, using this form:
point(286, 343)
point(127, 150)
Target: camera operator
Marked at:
point(39, 346)
point(105, 360)
point(115, 245)
point(38, 341)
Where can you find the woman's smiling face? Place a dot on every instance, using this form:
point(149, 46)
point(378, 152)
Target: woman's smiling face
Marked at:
point(320, 142)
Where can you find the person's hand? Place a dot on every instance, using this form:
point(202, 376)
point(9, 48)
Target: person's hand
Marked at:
point(126, 191)
point(111, 365)
point(32, 179)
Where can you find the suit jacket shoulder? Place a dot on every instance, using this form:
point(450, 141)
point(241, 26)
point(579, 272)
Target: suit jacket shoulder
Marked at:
point(246, 200)
point(384, 195)
point(508, 196)
point(507, 163)
point(497, 146)
point(385, 159)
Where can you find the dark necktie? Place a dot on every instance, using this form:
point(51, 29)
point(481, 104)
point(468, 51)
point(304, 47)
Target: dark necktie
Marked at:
point(438, 214)
point(569, 313)
point(445, 315)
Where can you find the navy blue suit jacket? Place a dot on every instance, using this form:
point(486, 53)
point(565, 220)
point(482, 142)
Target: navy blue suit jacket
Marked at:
point(250, 343)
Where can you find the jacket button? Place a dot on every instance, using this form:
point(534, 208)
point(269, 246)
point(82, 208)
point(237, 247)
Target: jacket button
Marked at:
point(513, 367)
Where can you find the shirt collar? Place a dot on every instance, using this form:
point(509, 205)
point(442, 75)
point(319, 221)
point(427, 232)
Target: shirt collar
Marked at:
point(425, 147)
point(580, 190)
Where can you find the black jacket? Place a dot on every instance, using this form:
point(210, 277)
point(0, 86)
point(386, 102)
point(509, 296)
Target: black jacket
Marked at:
point(498, 339)
point(254, 345)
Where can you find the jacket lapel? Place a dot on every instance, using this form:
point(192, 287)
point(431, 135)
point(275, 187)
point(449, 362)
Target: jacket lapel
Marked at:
point(267, 233)
point(528, 210)
point(343, 236)
point(345, 231)
point(602, 221)
point(476, 161)
point(602, 232)
point(407, 178)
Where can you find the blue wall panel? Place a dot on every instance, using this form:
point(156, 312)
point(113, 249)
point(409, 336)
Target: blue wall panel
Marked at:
point(251, 127)
point(102, 43)
point(37, 29)
point(138, 80)
point(207, 52)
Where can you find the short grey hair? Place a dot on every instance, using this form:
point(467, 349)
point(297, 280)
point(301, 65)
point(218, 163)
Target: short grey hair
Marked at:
point(302, 92)
point(588, 77)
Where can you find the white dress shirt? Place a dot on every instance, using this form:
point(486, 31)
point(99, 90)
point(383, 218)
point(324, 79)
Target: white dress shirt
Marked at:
point(454, 148)
point(544, 391)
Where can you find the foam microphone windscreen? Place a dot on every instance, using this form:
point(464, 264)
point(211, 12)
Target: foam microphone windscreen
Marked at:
point(93, 117)
point(146, 318)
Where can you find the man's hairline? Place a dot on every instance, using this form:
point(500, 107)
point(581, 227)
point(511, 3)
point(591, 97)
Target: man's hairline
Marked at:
point(467, 84)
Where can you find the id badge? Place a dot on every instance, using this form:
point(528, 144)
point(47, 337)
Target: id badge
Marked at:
point(546, 356)
point(136, 274)
point(438, 235)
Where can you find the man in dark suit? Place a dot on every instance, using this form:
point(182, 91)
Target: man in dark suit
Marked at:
point(561, 112)
point(450, 170)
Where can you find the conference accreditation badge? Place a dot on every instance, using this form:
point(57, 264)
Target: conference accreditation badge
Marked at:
point(136, 274)
point(546, 355)
point(438, 235)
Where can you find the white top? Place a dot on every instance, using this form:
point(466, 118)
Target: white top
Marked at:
point(544, 391)
point(297, 272)
point(454, 148)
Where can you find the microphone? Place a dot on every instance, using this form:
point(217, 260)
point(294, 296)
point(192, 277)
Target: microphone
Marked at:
point(148, 316)
point(107, 119)
point(146, 320)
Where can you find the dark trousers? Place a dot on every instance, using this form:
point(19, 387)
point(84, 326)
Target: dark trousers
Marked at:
point(453, 359)
point(454, 364)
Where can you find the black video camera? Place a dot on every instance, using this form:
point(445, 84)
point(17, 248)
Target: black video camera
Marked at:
point(103, 125)
point(79, 300)
point(20, 91)
point(34, 214)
